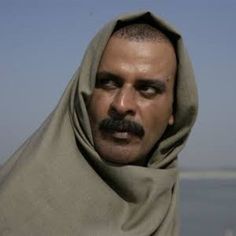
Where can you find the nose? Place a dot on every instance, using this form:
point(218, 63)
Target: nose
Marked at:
point(124, 102)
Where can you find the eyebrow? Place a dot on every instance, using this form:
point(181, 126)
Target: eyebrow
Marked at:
point(107, 75)
point(104, 75)
point(158, 83)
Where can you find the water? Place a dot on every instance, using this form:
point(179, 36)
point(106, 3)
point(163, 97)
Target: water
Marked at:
point(208, 207)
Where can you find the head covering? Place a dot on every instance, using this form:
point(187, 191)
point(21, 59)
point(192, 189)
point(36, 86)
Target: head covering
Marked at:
point(56, 183)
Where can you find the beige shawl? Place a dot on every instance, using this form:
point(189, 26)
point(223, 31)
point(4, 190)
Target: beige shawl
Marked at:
point(56, 183)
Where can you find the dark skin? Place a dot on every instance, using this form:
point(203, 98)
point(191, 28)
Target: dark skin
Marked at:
point(135, 82)
point(147, 87)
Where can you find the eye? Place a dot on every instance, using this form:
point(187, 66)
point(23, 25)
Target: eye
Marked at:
point(150, 88)
point(106, 83)
point(149, 91)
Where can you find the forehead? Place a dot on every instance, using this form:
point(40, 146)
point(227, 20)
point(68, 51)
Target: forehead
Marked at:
point(152, 57)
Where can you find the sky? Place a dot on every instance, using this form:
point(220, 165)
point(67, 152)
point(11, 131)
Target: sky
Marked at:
point(42, 43)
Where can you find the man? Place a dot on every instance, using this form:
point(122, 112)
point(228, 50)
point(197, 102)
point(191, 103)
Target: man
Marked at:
point(135, 79)
point(104, 162)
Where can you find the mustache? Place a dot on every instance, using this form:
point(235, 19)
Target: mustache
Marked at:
point(121, 125)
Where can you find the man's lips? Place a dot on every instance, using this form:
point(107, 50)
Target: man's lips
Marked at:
point(121, 135)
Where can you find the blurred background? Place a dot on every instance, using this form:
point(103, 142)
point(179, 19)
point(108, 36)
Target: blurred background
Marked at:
point(42, 44)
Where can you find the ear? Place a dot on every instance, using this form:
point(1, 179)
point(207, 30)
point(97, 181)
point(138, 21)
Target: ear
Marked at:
point(171, 120)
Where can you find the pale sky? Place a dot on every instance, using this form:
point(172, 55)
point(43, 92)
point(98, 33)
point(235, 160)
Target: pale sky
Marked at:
point(42, 43)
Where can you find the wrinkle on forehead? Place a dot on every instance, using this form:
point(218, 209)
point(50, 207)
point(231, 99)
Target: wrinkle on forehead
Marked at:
point(142, 56)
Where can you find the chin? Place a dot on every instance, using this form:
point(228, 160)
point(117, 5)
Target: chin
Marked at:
point(120, 153)
point(121, 157)
point(119, 160)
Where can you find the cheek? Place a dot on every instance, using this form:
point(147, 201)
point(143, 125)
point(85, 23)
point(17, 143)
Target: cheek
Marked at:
point(98, 107)
point(155, 116)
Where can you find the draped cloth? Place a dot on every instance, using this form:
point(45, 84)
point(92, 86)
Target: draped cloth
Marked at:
point(57, 184)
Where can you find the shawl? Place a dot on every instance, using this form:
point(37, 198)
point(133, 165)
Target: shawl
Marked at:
point(56, 183)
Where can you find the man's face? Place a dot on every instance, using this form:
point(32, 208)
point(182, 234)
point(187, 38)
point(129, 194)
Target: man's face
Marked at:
point(131, 104)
